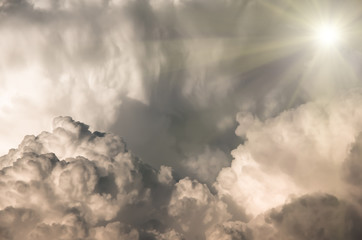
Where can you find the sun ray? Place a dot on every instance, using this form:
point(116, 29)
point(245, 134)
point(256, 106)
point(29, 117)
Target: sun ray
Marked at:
point(304, 30)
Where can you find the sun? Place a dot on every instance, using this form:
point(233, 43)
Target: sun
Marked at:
point(328, 35)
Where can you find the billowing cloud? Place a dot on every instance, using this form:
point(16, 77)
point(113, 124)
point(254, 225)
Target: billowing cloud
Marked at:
point(193, 207)
point(93, 181)
point(299, 151)
point(206, 165)
point(72, 183)
point(238, 124)
point(75, 184)
point(317, 217)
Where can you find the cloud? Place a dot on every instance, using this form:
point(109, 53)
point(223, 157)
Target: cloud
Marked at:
point(95, 178)
point(206, 166)
point(230, 231)
point(317, 217)
point(350, 172)
point(312, 216)
point(175, 79)
point(115, 230)
point(299, 151)
point(193, 207)
point(16, 222)
point(165, 175)
point(171, 72)
point(72, 183)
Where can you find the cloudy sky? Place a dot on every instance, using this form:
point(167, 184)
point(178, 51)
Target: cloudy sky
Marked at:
point(180, 119)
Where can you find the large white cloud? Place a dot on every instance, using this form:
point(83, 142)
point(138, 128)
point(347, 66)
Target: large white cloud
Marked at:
point(75, 184)
point(299, 151)
point(72, 183)
point(93, 181)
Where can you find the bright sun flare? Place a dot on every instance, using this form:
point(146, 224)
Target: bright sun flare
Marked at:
point(328, 35)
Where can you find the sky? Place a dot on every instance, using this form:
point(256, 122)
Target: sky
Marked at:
point(180, 119)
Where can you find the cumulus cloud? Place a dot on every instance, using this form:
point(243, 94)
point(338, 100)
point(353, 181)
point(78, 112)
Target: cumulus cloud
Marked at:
point(317, 217)
point(206, 166)
point(72, 183)
point(299, 151)
point(193, 207)
point(239, 127)
point(95, 178)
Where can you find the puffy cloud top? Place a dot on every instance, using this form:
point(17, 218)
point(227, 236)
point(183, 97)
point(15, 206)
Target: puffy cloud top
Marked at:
point(72, 183)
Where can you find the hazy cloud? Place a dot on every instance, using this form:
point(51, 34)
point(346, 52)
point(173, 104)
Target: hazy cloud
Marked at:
point(171, 72)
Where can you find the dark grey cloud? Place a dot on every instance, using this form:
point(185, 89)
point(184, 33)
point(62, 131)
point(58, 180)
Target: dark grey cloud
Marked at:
point(353, 164)
point(319, 216)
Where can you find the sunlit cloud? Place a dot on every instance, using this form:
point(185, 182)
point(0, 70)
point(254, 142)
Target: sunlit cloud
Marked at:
point(211, 120)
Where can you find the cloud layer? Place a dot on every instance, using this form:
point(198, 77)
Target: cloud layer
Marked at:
point(237, 126)
point(172, 72)
point(75, 184)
